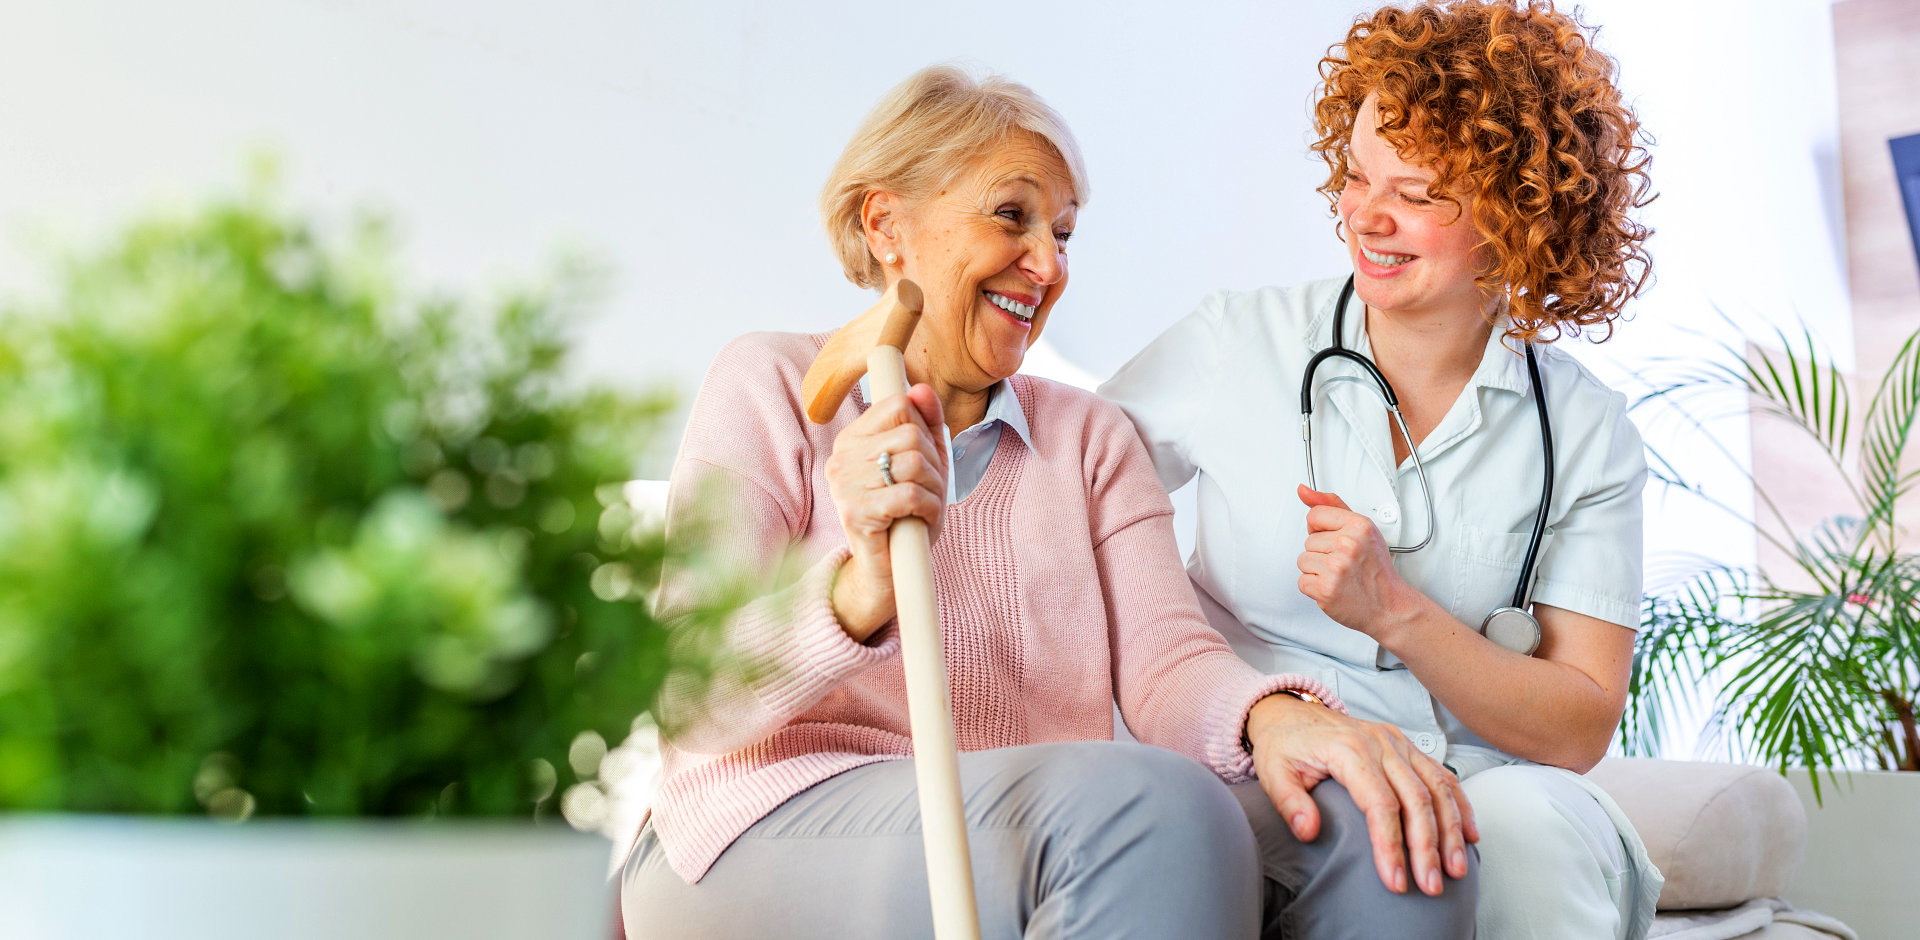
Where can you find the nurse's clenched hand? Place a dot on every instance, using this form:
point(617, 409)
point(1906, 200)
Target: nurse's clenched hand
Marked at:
point(1346, 569)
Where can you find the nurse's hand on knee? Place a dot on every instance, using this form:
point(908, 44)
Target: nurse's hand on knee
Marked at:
point(1416, 813)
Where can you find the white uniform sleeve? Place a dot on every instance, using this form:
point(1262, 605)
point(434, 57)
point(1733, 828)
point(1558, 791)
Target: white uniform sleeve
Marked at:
point(1168, 389)
point(1593, 564)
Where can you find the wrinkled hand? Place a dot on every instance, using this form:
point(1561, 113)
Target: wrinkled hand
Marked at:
point(863, 592)
point(1414, 806)
point(1346, 569)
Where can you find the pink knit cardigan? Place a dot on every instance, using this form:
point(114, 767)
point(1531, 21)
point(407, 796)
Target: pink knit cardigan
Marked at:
point(1060, 586)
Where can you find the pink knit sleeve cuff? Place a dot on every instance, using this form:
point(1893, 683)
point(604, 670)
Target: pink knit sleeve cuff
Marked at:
point(1231, 761)
point(813, 654)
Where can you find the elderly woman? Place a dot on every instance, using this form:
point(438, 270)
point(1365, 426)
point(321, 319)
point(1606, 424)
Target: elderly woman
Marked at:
point(1482, 168)
point(785, 806)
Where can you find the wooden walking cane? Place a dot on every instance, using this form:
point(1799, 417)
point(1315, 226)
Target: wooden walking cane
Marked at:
point(874, 343)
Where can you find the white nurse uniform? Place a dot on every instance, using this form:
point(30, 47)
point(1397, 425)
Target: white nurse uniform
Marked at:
point(1217, 396)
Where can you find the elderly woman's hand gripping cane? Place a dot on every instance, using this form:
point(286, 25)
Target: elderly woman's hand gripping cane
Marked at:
point(873, 343)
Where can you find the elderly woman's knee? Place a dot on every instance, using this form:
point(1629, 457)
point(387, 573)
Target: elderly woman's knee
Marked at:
point(1331, 885)
point(1405, 914)
point(1120, 772)
point(1342, 839)
point(1166, 797)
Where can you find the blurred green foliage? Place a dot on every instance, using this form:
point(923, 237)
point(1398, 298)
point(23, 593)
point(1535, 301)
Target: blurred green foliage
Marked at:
point(276, 538)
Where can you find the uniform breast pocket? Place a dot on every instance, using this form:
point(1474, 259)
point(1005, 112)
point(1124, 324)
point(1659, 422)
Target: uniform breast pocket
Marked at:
point(1486, 567)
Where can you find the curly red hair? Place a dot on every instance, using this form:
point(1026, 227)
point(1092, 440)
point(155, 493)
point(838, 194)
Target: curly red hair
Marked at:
point(1512, 106)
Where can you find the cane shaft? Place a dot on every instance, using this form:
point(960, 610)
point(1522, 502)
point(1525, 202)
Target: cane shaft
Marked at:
point(936, 757)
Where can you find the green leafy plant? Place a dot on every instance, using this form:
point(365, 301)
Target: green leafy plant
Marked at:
point(1821, 662)
point(277, 538)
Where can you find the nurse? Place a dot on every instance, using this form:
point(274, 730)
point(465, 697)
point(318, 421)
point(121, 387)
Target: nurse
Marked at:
point(1483, 170)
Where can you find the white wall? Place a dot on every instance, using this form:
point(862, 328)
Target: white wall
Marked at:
point(685, 143)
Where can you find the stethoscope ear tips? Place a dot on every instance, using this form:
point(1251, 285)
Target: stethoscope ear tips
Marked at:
point(1512, 628)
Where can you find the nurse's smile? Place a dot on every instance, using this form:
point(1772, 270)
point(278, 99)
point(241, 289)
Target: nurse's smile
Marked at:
point(1376, 264)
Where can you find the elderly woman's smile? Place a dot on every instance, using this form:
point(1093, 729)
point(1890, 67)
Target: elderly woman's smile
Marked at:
point(990, 251)
point(1019, 310)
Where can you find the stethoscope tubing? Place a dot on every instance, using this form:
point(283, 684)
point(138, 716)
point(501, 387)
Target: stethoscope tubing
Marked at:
point(1393, 408)
point(1521, 590)
point(1339, 351)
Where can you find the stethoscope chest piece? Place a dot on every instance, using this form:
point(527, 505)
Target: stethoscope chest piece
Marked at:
point(1512, 628)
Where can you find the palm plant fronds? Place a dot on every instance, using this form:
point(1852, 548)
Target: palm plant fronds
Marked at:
point(1824, 675)
point(1889, 427)
point(1668, 668)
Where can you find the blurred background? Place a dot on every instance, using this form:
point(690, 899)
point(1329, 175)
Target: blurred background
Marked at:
point(682, 145)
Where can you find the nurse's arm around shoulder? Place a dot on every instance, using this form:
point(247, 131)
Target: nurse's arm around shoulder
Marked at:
point(1559, 706)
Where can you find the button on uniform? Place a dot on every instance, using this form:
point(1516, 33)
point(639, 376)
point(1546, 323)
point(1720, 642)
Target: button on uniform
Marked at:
point(1388, 514)
point(1426, 742)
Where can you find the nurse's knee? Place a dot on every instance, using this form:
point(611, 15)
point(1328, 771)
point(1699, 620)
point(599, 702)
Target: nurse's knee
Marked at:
point(1536, 823)
point(1514, 805)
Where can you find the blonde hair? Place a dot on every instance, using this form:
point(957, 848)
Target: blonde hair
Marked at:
point(919, 137)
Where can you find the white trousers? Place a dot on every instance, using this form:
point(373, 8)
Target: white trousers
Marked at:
point(1552, 861)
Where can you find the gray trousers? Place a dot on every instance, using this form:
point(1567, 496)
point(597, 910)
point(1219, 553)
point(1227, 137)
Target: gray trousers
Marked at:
point(1076, 840)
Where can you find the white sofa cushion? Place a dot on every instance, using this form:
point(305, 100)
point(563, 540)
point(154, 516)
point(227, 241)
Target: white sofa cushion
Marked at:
point(1723, 834)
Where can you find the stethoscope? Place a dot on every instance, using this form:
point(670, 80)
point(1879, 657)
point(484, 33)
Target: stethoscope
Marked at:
point(1510, 626)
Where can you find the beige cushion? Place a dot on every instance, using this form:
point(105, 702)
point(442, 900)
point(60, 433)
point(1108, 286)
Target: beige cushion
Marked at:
point(1721, 833)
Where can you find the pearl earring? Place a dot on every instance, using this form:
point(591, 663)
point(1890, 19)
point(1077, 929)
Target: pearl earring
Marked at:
point(891, 258)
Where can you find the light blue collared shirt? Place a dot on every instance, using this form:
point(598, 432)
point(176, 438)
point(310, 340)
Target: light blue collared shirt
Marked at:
point(971, 452)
